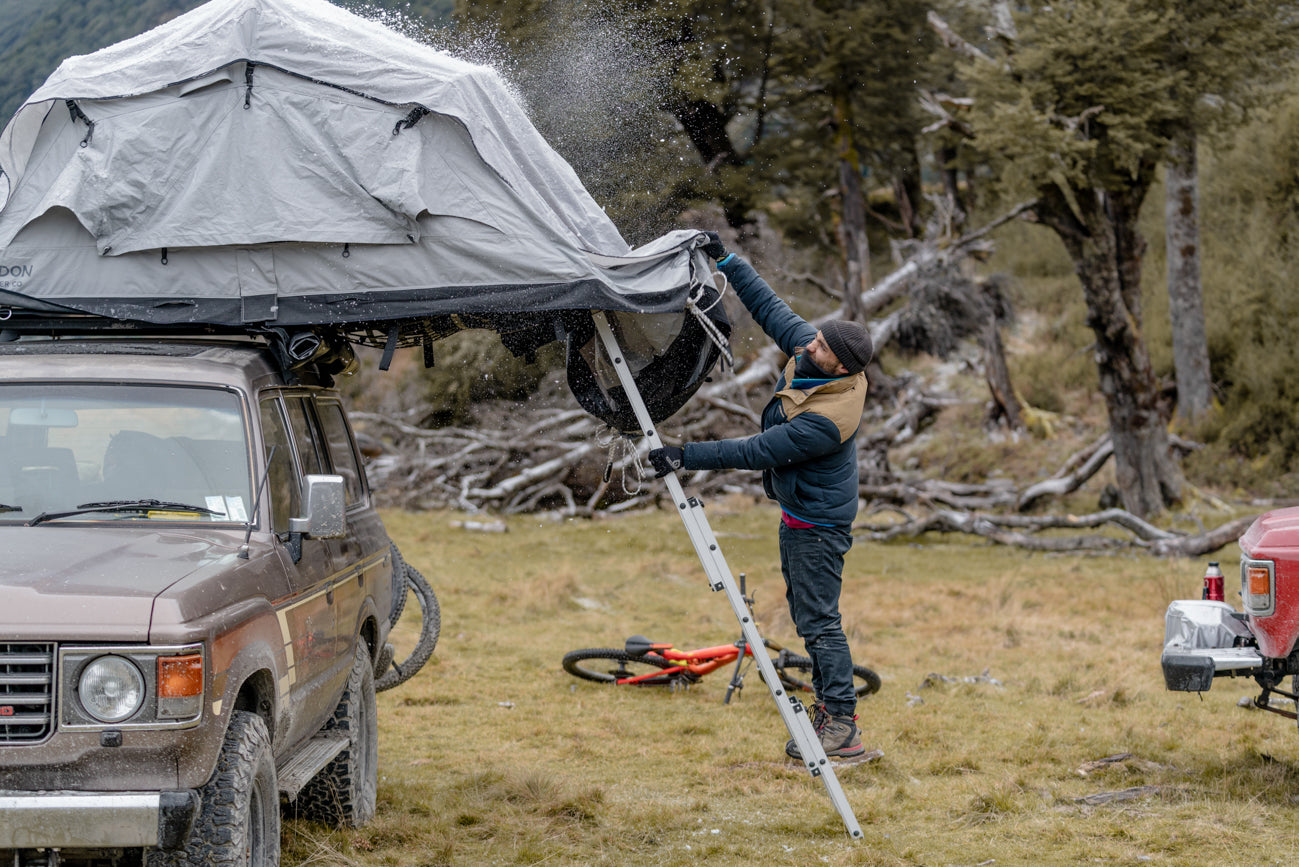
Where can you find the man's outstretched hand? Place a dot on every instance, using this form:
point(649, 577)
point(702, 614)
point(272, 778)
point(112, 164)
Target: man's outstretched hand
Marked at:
point(666, 460)
point(714, 249)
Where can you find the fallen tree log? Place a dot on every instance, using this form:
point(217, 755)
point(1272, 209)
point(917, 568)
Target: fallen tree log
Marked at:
point(1003, 529)
point(1202, 543)
point(976, 524)
point(1080, 467)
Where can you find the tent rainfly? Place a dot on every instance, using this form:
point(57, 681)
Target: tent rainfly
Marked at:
point(284, 164)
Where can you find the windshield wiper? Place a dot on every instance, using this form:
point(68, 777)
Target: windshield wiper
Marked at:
point(122, 506)
point(5, 507)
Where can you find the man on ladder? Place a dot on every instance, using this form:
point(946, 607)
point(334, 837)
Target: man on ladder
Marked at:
point(808, 458)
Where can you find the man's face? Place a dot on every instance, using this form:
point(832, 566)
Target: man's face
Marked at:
point(822, 357)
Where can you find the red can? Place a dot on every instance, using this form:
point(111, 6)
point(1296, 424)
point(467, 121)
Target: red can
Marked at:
point(1213, 584)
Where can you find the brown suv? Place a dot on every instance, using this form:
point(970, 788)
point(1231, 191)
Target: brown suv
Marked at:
point(195, 591)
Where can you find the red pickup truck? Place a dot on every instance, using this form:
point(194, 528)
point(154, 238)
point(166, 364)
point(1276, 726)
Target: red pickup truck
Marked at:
point(1206, 638)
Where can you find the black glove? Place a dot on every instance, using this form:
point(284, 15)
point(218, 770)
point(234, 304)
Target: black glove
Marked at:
point(667, 459)
point(714, 249)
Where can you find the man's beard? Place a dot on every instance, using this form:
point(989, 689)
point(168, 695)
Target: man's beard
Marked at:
point(806, 368)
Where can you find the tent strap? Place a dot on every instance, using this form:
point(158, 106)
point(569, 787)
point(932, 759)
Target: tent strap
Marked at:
point(390, 347)
point(410, 119)
point(78, 114)
point(248, 83)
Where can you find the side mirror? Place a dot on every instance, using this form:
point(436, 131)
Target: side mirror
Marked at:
point(326, 508)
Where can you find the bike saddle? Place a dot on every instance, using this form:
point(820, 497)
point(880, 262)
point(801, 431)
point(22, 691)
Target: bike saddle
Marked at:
point(639, 645)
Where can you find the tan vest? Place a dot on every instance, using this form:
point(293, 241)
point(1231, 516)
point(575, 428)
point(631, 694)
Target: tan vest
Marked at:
point(841, 400)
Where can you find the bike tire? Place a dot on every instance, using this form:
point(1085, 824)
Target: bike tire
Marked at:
point(795, 672)
point(398, 586)
point(400, 671)
point(606, 665)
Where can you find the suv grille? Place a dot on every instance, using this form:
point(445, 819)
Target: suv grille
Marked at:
point(26, 691)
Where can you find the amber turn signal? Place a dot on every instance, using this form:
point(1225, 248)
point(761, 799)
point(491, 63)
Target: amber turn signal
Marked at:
point(180, 676)
point(1259, 580)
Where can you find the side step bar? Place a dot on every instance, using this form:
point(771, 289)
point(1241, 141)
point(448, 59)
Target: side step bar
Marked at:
point(305, 762)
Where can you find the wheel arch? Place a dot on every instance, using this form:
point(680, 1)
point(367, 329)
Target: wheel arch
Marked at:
point(257, 696)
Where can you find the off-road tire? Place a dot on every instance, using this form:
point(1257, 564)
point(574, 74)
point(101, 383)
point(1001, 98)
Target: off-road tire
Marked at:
point(795, 672)
point(344, 792)
point(606, 665)
point(402, 670)
point(238, 822)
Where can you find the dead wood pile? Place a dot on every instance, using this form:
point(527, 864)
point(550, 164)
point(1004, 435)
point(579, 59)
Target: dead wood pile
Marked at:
point(549, 455)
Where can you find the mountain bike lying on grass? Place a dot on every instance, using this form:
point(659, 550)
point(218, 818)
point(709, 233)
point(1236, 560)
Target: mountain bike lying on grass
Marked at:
point(643, 662)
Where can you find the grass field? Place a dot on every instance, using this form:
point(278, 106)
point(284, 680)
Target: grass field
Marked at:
point(494, 755)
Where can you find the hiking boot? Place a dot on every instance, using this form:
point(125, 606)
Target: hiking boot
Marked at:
point(840, 737)
point(818, 714)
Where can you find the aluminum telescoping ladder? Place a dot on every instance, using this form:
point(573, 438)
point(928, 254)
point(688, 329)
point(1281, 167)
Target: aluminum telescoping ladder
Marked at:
point(719, 578)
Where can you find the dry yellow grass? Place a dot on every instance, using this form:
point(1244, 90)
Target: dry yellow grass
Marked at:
point(494, 755)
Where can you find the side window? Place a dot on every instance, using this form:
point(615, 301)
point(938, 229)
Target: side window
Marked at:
point(342, 452)
point(282, 485)
point(304, 434)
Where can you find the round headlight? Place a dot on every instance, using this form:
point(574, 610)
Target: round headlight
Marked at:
point(111, 689)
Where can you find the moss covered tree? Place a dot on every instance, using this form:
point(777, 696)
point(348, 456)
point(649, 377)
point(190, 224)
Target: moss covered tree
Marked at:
point(1078, 111)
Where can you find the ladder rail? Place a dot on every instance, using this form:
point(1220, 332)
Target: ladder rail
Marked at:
point(792, 712)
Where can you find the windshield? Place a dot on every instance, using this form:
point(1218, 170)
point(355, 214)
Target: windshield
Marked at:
point(65, 446)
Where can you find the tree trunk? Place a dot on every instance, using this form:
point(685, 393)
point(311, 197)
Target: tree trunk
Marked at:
point(852, 228)
point(1185, 297)
point(705, 126)
point(909, 194)
point(951, 180)
point(1106, 247)
point(998, 375)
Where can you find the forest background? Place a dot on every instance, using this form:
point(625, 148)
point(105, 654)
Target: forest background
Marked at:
point(834, 141)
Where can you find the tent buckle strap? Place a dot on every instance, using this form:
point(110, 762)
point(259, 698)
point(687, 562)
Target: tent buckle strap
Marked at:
point(390, 347)
point(410, 119)
point(248, 84)
point(164, 255)
point(78, 114)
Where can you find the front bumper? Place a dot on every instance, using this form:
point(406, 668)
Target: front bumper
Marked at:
point(86, 820)
point(1204, 640)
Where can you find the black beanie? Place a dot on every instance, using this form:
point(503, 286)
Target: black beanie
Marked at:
point(850, 343)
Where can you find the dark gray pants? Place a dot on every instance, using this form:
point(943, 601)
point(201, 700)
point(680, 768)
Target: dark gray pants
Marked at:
point(812, 562)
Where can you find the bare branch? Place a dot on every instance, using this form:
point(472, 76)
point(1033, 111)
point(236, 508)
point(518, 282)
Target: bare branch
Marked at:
point(1203, 543)
point(953, 40)
point(1068, 482)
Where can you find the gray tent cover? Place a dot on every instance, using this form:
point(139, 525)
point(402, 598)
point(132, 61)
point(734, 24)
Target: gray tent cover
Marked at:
point(285, 162)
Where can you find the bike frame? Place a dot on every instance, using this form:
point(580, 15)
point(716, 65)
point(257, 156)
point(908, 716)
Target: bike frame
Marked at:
point(706, 660)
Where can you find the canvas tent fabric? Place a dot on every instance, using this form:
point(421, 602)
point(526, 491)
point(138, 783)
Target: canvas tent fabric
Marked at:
point(285, 162)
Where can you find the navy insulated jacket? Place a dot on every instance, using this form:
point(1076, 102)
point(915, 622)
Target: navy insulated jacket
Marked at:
point(806, 451)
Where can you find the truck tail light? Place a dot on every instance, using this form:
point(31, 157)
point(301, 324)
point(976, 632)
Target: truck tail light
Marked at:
point(1258, 586)
point(180, 686)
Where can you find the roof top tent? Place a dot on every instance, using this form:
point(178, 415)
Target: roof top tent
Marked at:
point(286, 167)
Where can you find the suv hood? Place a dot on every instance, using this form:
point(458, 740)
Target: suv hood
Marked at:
point(61, 582)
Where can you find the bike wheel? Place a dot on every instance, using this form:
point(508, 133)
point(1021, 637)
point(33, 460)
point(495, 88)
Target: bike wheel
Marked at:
point(606, 665)
point(398, 586)
point(795, 673)
point(415, 637)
